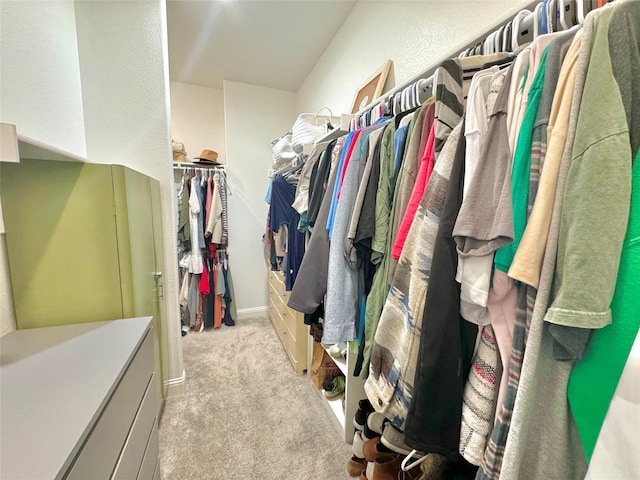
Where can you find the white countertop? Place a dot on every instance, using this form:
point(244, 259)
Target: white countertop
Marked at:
point(54, 382)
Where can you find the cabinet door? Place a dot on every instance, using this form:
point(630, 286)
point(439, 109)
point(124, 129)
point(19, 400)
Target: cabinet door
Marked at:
point(138, 233)
point(61, 242)
point(160, 310)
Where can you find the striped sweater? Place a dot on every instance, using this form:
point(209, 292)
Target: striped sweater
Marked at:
point(397, 339)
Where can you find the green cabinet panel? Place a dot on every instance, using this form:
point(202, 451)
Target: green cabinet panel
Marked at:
point(84, 244)
point(160, 309)
point(137, 242)
point(61, 242)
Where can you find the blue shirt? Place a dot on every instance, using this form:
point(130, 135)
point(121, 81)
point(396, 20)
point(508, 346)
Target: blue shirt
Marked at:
point(336, 188)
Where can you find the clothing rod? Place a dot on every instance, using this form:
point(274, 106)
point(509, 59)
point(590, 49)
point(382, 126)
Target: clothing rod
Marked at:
point(178, 165)
point(429, 71)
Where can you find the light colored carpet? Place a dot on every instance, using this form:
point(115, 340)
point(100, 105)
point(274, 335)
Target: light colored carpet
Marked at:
point(246, 415)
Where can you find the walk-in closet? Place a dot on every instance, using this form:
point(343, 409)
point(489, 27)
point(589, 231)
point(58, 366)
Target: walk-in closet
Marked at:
point(355, 239)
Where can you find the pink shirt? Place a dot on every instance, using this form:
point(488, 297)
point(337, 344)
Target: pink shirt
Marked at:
point(426, 168)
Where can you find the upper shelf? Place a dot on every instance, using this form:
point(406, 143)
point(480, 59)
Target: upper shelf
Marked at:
point(37, 150)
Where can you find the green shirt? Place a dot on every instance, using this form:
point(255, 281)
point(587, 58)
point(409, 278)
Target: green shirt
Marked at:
point(521, 169)
point(384, 195)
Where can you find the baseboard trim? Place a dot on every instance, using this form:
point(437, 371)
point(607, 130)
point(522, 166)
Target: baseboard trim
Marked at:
point(175, 386)
point(252, 312)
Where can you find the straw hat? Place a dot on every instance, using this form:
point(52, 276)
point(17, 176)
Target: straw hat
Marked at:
point(208, 156)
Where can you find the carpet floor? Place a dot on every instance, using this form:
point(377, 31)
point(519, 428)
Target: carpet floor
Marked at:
point(246, 415)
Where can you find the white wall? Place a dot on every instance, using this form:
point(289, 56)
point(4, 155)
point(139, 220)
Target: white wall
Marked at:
point(125, 89)
point(39, 93)
point(254, 116)
point(197, 119)
point(414, 35)
point(40, 76)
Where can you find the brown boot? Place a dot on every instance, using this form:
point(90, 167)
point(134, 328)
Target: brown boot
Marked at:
point(356, 466)
point(373, 448)
point(387, 467)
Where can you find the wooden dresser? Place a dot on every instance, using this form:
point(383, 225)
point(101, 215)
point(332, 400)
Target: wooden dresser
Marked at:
point(80, 402)
point(288, 323)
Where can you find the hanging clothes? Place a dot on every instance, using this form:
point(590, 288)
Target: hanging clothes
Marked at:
point(311, 283)
point(610, 346)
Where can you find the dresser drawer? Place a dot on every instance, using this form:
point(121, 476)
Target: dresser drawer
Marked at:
point(290, 318)
point(277, 281)
point(136, 444)
point(102, 448)
point(150, 464)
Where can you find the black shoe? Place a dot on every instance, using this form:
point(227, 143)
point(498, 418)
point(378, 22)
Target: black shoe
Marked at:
point(360, 418)
point(368, 434)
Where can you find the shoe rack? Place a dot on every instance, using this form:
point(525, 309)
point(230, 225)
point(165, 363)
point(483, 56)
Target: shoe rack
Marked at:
point(353, 393)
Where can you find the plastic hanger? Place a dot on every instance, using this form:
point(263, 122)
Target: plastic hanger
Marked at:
point(492, 42)
point(552, 16)
point(413, 93)
point(498, 40)
point(486, 45)
point(506, 38)
point(425, 89)
point(567, 14)
point(582, 8)
point(543, 17)
point(396, 103)
point(537, 14)
point(522, 28)
point(405, 468)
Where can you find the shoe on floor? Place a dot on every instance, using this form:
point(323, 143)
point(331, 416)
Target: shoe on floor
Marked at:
point(363, 411)
point(337, 390)
point(370, 470)
point(199, 326)
point(393, 439)
point(373, 449)
point(376, 422)
point(327, 384)
point(386, 467)
point(368, 434)
point(355, 466)
point(358, 445)
point(389, 467)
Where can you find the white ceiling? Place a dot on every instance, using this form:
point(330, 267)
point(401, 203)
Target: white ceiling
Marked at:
point(262, 42)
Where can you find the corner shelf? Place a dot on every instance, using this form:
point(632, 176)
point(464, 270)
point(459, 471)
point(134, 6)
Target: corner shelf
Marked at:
point(340, 361)
point(354, 392)
point(334, 407)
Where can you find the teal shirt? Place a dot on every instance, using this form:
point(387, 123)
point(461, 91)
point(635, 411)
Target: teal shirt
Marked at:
point(521, 170)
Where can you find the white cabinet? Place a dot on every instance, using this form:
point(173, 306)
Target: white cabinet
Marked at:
point(80, 402)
